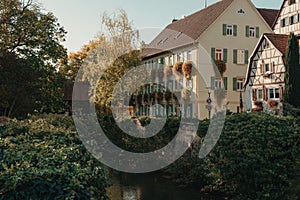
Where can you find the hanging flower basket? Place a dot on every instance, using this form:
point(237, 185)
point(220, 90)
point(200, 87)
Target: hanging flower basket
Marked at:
point(273, 103)
point(187, 69)
point(177, 70)
point(258, 103)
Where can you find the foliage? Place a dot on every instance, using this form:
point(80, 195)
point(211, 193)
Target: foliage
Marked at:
point(257, 157)
point(30, 52)
point(292, 73)
point(43, 158)
point(129, 143)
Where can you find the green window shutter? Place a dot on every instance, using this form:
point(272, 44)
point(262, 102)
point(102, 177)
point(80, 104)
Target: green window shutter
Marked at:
point(225, 55)
point(224, 29)
point(162, 60)
point(235, 56)
point(225, 81)
point(234, 30)
point(212, 83)
point(234, 82)
point(257, 32)
point(213, 54)
point(246, 56)
point(247, 31)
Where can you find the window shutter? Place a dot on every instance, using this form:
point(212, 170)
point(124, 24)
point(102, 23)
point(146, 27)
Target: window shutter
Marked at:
point(225, 81)
point(261, 68)
point(265, 94)
point(234, 30)
point(234, 82)
point(224, 29)
point(213, 54)
point(257, 32)
point(281, 23)
point(162, 60)
point(212, 83)
point(247, 31)
point(235, 51)
point(272, 67)
point(246, 56)
point(254, 94)
point(281, 92)
point(225, 55)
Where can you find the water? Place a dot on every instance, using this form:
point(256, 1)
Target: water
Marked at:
point(151, 187)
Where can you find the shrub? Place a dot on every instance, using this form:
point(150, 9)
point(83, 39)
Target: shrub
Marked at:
point(43, 158)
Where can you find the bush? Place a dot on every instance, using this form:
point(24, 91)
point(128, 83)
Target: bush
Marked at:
point(256, 157)
point(43, 158)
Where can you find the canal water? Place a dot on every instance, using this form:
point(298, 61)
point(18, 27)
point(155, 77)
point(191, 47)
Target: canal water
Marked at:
point(151, 187)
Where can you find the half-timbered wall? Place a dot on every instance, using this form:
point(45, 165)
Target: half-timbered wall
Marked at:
point(289, 18)
point(267, 76)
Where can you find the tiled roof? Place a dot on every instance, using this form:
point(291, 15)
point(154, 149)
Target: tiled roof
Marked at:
point(188, 29)
point(278, 40)
point(269, 15)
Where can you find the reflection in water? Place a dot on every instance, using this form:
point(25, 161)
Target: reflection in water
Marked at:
point(150, 187)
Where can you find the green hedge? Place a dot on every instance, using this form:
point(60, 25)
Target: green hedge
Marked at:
point(43, 158)
point(257, 157)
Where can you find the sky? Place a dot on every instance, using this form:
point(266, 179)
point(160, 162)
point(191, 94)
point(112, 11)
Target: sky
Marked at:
point(82, 18)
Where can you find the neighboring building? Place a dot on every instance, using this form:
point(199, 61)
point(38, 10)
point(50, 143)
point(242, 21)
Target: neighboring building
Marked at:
point(265, 74)
point(288, 19)
point(226, 31)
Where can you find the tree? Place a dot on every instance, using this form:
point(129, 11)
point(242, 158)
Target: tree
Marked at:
point(108, 58)
point(30, 39)
point(292, 73)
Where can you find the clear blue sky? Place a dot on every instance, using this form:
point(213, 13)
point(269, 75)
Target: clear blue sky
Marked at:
point(82, 18)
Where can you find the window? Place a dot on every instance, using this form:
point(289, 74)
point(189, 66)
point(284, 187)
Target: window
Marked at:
point(240, 84)
point(251, 32)
point(292, 2)
point(260, 94)
point(230, 30)
point(218, 83)
point(179, 57)
point(293, 19)
point(267, 67)
point(274, 93)
point(240, 56)
point(189, 55)
point(237, 84)
point(285, 22)
point(219, 54)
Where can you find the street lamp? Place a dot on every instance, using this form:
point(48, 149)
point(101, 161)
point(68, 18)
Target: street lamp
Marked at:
point(208, 105)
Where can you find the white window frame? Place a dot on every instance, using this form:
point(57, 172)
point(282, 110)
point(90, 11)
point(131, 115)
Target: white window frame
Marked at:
point(241, 57)
point(252, 31)
point(219, 54)
point(229, 29)
point(189, 55)
point(267, 65)
point(218, 83)
point(260, 94)
point(239, 85)
point(274, 92)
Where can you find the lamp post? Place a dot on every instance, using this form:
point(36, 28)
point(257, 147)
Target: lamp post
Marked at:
point(208, 105)
point(241, 101)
